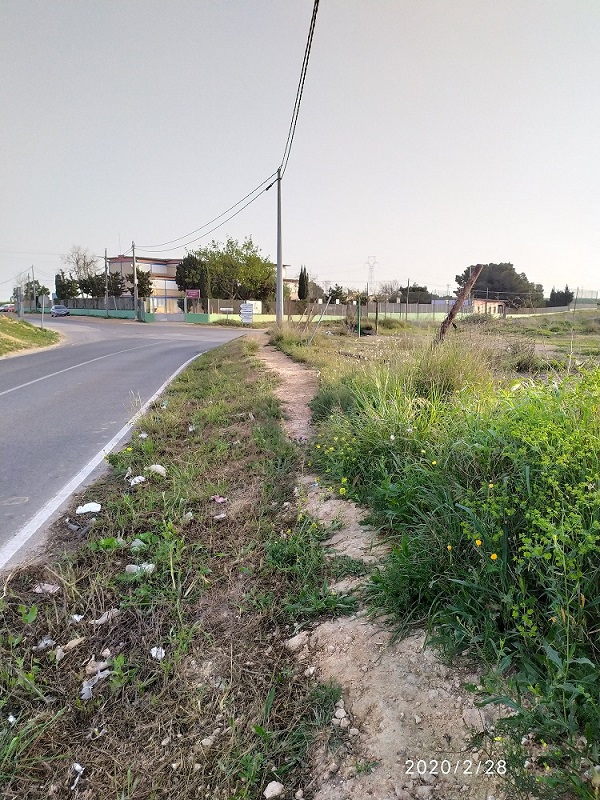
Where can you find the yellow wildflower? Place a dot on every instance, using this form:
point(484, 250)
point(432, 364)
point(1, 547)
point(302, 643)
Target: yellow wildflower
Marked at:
point(494, 556)
point(478, 542)
point(342, 490)
point(448, 547)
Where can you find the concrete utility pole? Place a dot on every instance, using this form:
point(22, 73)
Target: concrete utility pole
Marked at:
point(33, 294)
point(105, 282)
point(279, 286)
point(458, 303)
point(135, 291)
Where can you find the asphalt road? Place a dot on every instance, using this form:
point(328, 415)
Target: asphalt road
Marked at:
point(59, 407)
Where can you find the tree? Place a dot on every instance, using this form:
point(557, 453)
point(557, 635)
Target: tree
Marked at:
point(337, 293)
point(237, 271)
point(66, 287)
point(501, 282)
point(193, 273)
point(144, 283)
point(389, 290)
point(116, 284)
point(33, 290)
point(415, 294)
point(303, 282)
point(92, 285)
point(560, 298)
point(315, 292)
point(80, 262)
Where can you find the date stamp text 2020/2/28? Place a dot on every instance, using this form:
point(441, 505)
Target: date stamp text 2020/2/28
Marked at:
point(445, 766)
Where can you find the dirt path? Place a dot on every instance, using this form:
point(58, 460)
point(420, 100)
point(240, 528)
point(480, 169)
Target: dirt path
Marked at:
point(403, 727)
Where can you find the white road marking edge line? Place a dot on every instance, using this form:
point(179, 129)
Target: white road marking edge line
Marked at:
point(74, 366)
point(30, 528)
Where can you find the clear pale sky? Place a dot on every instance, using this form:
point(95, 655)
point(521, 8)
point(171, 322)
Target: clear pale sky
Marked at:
point(433, 134)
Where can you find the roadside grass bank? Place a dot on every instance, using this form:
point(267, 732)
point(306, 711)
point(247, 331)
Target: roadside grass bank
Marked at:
point(16, 335)
point(487, 486)
point(148, 661)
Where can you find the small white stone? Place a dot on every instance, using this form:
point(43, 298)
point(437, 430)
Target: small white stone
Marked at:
point(309, 672)
point(333, 767)
point(353, 732)
point(340, 713)
point(274, 789)
point(299, 795)
point(208, 742)
point(339, 704)
point(418, 719)
point(345, 723)
point(335, 722)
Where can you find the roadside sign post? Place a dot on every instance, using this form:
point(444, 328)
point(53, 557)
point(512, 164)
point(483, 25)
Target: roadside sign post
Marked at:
point(247, 313)
point(227, 312)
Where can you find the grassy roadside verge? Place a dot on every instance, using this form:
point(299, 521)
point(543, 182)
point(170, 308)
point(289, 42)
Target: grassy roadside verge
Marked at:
point(151, 654)
point(16, 335)
point(488, 488)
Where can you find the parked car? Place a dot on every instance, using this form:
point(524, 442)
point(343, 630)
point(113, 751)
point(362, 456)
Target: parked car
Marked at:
point(60, 311)
point(7, 307)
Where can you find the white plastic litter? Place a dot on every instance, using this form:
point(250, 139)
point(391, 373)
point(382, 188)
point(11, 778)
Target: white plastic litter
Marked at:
point(11, 719)
point(93, 667)
point(136, 480)
point(188, 516)
point(137, 569)
point(158, 653)
point(46, 588)
point(142, 435)
point(106, 617)
point(88, 685)
point(88, 508)
point(138, 544)
point(44, 644)
point(78, 770)
point(76, 617)
point(158, 469)
point(191, 428)
point(219, 517)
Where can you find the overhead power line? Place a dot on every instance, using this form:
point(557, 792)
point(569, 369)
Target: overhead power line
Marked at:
point(210, 222)
point(299, 91)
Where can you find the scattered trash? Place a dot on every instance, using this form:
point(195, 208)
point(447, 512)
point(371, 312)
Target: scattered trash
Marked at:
point(164, 404)
point(93, 666)
point(191, 428)
point(44, 644)
point(46, 588)
point(95, 733)
point(76, 617)
point(187, 517)
point(136, 480)
point(78, 770)
point(11, 719)
point(218, 499)
point(219, 517)
point(158, 468)
point(88, 508)
point(72, 526)
point(128, 473)
point(59, 654)
point(106, 617)
point(158, 653)
point(137, 569)
point(142, 435)
point(88, 685)
point(138, 544)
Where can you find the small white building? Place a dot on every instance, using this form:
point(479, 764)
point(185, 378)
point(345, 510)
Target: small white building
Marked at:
point(493, 308)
